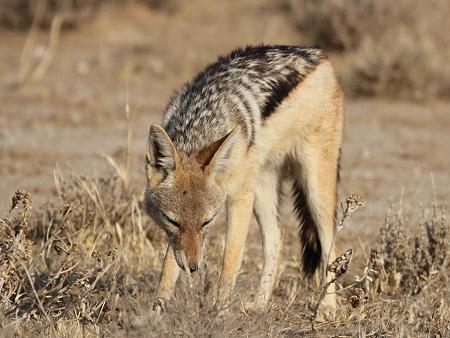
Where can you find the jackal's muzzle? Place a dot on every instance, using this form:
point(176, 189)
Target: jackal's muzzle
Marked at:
point(188, 251)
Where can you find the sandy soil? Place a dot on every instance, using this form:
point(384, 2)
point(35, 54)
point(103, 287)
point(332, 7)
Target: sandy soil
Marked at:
point(75, 113)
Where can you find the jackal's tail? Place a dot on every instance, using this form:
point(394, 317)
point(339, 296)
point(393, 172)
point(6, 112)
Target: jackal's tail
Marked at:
point(311, 253)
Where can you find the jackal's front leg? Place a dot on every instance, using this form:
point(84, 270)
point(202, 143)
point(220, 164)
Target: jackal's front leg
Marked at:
point(239, 211)
point(266, 212)
point(169, 276)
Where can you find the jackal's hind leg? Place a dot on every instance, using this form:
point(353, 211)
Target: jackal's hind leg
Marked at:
point(315, 180)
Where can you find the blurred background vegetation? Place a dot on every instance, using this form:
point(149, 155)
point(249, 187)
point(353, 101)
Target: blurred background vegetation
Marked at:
point(381, 48)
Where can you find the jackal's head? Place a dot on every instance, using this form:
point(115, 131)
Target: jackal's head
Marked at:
point(182, 195)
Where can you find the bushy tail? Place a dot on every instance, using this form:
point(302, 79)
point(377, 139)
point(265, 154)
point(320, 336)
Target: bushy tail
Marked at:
point(309, 237)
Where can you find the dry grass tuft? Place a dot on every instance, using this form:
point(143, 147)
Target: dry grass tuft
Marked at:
point(399, 49)
point(408, 261)
point(15, 249)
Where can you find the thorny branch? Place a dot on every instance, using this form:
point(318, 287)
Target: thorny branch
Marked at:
point(353, 203)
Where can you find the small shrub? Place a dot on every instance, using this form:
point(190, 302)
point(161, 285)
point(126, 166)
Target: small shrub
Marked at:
point(410, 257)
point(405, 280)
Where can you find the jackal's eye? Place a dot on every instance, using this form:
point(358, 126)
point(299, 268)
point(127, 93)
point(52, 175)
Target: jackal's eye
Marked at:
point(205, 223)
point(171, 220)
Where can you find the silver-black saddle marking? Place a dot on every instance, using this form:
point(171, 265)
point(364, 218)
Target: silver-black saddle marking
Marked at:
point(241, 89)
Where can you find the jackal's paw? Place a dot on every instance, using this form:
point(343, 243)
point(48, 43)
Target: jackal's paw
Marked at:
point(256, 306)
point(221, 307)
point(159, 306)
point(326, 313)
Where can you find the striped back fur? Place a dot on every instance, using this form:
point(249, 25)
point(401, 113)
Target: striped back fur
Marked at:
point(241, 89)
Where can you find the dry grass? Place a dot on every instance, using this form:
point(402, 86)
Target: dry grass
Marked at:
point(399, 49)
point(85, 265)
point(74, 263)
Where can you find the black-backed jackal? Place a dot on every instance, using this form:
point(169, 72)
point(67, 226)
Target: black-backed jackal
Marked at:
point(228, 138)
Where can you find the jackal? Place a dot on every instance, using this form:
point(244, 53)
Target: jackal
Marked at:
point(229, 137)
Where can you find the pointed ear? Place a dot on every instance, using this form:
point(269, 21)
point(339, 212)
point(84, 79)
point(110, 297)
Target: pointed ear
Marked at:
point(161, 156)
point(205, 156)
point(217, 156)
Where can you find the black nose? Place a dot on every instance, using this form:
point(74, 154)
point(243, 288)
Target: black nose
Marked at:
point(193, 268)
